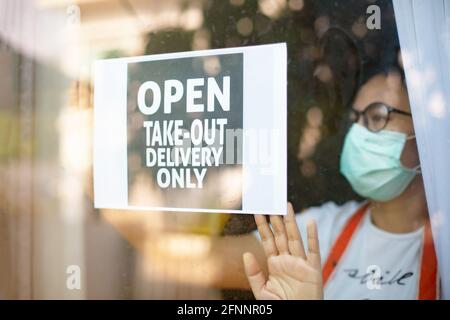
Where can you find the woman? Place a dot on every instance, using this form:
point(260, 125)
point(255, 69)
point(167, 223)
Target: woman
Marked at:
point(379, 249)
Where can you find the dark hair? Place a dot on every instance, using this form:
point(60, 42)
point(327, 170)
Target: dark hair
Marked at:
point(387, 61)
point(336, 37)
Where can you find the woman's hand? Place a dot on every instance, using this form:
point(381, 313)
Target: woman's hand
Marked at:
point(293, 274)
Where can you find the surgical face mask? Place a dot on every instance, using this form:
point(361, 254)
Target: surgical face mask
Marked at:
point(371, 163)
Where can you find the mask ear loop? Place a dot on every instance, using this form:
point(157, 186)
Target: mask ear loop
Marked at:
point(416, 168)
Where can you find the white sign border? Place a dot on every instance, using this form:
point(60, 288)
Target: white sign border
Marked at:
point(110, 117)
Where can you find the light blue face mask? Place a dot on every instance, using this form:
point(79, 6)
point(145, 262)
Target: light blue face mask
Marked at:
point(371, 163)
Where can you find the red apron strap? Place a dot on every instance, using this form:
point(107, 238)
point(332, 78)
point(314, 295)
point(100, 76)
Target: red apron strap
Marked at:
point(428, 278)
point(342, 242)
point(428, 283)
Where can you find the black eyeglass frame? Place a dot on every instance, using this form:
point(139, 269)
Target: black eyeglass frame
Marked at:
point(366, 120)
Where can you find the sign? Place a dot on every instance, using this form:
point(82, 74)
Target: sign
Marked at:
point(199, 131)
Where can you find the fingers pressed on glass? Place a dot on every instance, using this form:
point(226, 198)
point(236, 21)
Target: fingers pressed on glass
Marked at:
point(254, 274)
point(313, 256)
point(279, 231)
point(295, 243)
point(266, 234)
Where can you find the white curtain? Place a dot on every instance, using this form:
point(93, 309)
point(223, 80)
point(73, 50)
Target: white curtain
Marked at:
point(424, 32)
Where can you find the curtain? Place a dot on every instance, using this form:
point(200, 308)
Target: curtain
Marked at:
point(424, 32)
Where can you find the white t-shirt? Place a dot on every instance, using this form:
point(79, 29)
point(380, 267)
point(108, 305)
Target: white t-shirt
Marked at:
point(372, 254)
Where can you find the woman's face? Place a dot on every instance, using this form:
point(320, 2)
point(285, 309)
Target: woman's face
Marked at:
point(390, 90)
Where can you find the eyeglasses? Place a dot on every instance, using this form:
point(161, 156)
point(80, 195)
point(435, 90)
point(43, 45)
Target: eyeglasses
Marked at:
point(375, 116)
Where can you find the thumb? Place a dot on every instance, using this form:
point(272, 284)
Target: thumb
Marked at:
point(254, 274)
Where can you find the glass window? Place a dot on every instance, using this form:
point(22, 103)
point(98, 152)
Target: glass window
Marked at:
point(49, 230)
